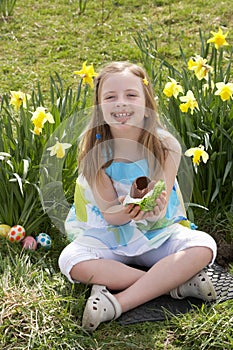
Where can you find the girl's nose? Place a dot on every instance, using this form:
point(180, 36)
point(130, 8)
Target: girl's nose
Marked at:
point(120, 103)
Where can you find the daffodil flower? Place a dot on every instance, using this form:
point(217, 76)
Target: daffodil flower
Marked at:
point(208, 86)
point(59, 149)
point(39, 118)
point(172, 88)
point(189, 101)
point(225, 91)
point(197, 153)
point(19, 98)
point(87, 73)
point(200, 68)
point(219, 39)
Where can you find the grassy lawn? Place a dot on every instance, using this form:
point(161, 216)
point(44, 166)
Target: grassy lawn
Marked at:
point(39, 308)
point(47, 36)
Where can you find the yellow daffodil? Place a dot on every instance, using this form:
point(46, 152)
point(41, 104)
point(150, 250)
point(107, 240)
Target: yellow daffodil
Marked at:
point(59, 149)
point(219, 39)
point(19, 98)
point(197, 153)
point(87, 73)
point(39, 118)
point(172, 88)
point(199, 66)
point(225, 91)
point(189, 101)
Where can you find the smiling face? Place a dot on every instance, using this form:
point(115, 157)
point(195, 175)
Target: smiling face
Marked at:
point(123, 100)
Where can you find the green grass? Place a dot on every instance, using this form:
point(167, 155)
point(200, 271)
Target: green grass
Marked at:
point(39, 308)
point(46, 36)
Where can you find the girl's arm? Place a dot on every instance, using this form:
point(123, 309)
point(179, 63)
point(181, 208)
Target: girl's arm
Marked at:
point(106, 198)
point(111, 207)
point(168, 174)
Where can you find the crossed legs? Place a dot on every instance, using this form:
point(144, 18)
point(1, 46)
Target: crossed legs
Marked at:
point(137, 287)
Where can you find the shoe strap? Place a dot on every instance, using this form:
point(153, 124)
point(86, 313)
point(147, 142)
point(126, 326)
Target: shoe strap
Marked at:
point(174, 294)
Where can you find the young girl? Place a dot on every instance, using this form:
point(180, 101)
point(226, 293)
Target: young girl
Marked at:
point(124, 140)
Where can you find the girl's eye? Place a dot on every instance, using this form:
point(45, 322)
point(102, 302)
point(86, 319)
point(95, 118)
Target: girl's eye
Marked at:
point(131, 95)
point(109, 97)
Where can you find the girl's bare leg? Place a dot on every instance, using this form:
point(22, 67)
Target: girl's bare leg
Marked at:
point(113, 274)
point(139, 286)
point(170, 272)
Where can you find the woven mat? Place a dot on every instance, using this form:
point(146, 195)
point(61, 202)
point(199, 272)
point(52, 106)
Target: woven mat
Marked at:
point(163, 307)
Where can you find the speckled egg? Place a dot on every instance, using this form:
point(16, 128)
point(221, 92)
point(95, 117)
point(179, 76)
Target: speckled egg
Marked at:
point(16, 233)
point(43, 240)
point(29, 243)
point(4, 229)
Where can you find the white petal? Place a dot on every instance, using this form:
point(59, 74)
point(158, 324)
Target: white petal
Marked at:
point(66, 145)
point(190, 152)
point(205, 156)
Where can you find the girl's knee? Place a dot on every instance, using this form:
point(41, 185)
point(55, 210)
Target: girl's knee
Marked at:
point(83, 271)
point(206, 253)
point(79, 269)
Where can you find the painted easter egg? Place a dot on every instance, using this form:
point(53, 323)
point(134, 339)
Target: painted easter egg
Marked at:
point(43, 240)
point(29, 243)
point(4, 229)
point(16, 233)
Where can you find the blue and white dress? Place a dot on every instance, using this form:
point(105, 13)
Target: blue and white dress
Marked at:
point(85, 223)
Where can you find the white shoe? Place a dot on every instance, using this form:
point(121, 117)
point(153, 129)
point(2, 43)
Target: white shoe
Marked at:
point(199, 286)
point(101, 306)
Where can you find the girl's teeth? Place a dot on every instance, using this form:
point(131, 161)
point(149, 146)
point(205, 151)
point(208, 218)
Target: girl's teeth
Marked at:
point(120, 115)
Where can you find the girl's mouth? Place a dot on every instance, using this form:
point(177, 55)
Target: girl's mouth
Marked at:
point(121, 117)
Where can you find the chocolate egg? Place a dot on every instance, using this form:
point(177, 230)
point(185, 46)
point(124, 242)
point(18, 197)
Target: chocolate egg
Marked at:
point(140, 187)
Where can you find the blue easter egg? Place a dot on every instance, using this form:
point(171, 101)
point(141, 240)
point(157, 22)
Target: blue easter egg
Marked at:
point(43, 240)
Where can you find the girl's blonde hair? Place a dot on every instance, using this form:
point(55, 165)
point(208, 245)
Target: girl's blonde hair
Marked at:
point(96, 154)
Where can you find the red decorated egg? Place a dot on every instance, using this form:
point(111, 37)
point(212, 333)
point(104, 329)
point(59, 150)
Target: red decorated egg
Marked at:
point(29, 243)
point(16, 233)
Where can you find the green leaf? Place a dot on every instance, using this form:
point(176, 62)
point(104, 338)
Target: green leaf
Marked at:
point(216, 191)
point(19, 180)
point(227, 170)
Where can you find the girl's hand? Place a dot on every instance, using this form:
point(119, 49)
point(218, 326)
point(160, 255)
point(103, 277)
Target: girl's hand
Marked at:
point(135, 213)
point(161, 202)
point(132, 210)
